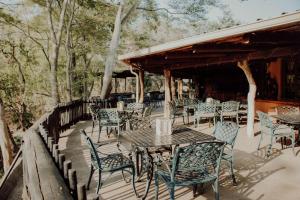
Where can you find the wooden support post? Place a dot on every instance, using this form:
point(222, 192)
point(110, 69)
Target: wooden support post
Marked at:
point(50, 143)
point(61, 160)
point(72, 177)
point(141, 81)
point(67, 165)
point(93, 197)
point(54, 149)
point(173, 88)
point(81, 191)
point(180, 88)
point(125, 85)
point(167, 75)
point(116, 86)
point(250, 98)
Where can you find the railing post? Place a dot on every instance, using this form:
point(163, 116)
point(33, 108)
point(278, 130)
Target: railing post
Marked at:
point(73, 182)
point(81, 191)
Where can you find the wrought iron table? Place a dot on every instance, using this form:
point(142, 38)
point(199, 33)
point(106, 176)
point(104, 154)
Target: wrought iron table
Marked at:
point(146, 138)
point(292, 119)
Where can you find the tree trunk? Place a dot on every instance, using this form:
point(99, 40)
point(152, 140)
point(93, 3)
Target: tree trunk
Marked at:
point(250, 98)
point(70, 65)
point(56, 42)
point(110, 61)
point(173, 88)
point(167, 75)
point(180, 87)
point(5, 142)
point(142, 85)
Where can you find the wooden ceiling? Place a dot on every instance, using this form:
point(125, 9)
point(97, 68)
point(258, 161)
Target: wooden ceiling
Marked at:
point(264, 44)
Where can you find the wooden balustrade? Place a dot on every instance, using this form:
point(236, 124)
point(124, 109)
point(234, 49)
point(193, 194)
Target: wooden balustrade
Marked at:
point(44, 166)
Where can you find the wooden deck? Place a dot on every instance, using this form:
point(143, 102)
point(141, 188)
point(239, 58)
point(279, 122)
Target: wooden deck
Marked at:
point(259, 178)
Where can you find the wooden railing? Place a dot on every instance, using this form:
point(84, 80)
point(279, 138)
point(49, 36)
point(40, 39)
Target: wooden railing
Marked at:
point(47, 172)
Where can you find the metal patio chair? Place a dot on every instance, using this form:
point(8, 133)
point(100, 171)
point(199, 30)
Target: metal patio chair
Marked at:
point(205, 110)
point(94, 109)
point(274, 130)
point(110, 118)
point(107, 163)
point(194, 164)
point(137, 108)
point(138, 122)
point(230, 109)
point(227, 132)
point(283, 110)
point(175, 112)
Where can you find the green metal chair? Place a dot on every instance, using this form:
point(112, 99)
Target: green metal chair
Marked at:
point(283, 110)
point(139, 122)
point(274, 130)
point(110, 118)
point(94, 109)
point(205, 110)
point(108, 163)
point(194, 164)
point(227, 132)
point(230, 109)
point(137, 108)
point(176, 112)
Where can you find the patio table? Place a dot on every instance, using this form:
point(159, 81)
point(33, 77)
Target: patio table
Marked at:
point(290, 119)
point(147, 138)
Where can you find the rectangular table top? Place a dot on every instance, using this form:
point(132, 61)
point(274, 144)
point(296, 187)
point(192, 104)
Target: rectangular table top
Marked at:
point(147, 137)
point(293, 119)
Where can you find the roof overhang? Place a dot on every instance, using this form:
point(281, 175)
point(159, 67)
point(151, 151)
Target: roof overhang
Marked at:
point(274, 37)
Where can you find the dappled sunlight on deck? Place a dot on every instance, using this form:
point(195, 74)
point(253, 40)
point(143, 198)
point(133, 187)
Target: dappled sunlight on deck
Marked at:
point(258, 177)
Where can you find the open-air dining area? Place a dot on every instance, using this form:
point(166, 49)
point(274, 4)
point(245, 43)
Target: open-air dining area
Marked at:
point(215, 115)
point(206, 142)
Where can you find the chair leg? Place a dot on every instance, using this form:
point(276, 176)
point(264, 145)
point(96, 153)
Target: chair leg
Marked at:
point(270, 147)
point(99, 133)
point(90, 177)
point(99, 181)
point(93, 125)
point(133, 180)
point(232, 173)
point(261, 136)
point(293, 143)
point(237, 120)
point(172, 192)
point(216, 189)
point(156, 185)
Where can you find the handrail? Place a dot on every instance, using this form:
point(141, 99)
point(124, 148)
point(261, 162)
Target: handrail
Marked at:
point(44, 166)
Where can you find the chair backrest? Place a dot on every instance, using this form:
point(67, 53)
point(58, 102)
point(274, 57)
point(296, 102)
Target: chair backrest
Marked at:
point(287, 110)
point(212, 101)
point(137, 107)
point(94, 108)
point(147, 111)
point(230, 106)
point(108, 115)
point(206, 108)
point(226, 131)
point(265, 121)
point(198, 157)
point(95, 159)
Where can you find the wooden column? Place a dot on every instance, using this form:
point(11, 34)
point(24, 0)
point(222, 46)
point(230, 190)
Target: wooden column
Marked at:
point(173, 88)
point(197, 89)
point(167, 75)
point(180, 87)
point(250, 98)
point(125, 85)
point(141, 80)
point(116, 89)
